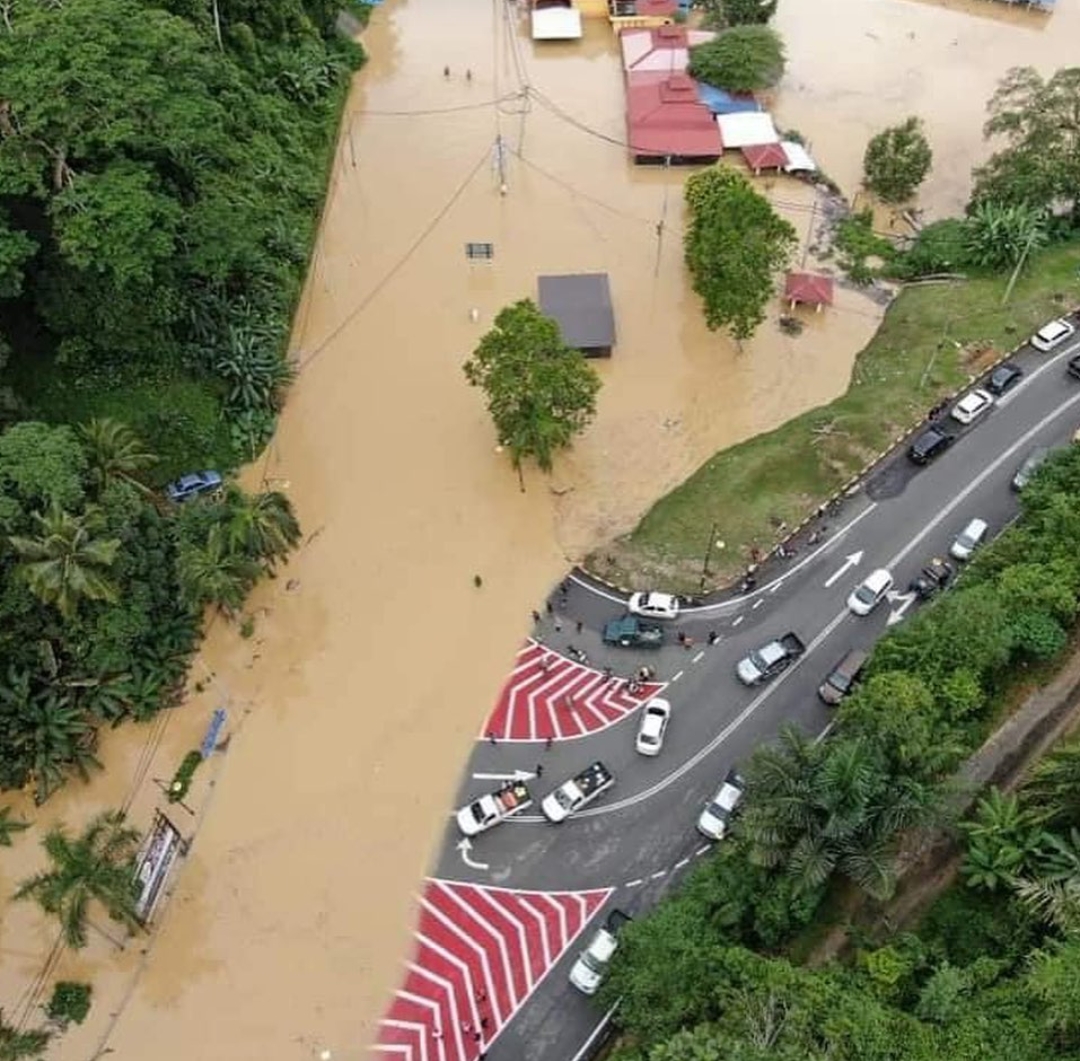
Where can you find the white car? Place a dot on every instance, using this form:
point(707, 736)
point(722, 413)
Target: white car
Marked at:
point(654, 605)
point(968, 540)
point(655, 716)
point(591, 967)
point(1052, 335)
point(972, 406)
point(716, 816)
point(869, 593)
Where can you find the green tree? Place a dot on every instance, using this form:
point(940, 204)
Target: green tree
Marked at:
point(540, 393)
point(70, 1002)
point(721, 14)
point(818, 809)
point(8, 826)
point(746, 58)
point(897, 161)
point(1040, 164)
point(999, 235)
point(1055, 784)
point(16, 249)
point(734, 245)
point(41, 464)
point(261, 526)
point(97, 866)
point(1053, 978)
point(1003, 840)
point(215, 573)
point(18, 1045)
point(114, 452)
point(64, 563)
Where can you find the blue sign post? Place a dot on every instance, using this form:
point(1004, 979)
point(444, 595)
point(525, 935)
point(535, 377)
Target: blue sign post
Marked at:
point(209, 742)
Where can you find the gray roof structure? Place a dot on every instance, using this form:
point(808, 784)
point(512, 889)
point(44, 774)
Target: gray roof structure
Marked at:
point(581, 304)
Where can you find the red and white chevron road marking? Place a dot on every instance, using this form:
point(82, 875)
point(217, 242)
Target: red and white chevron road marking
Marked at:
point(480, 953)
point(549, 695)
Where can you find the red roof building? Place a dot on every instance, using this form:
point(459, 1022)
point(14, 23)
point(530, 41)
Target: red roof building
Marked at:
point(813, 289)
point(665, 121)
point(764, 156)
point(662, 50)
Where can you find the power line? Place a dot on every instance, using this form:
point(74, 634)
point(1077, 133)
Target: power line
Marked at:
point(397, 266)
point(496, 102)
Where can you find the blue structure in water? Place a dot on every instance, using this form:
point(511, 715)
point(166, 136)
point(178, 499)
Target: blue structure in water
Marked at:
point(720, 102)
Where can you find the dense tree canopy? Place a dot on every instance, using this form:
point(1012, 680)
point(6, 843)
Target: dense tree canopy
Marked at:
point(897, 161)
point(746, 58)
point(735, 244)
point(1039, 166)
point(720, 14)
point(540, 393)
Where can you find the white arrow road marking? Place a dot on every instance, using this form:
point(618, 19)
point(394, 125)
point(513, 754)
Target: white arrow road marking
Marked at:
point(465, 846)
point(850, 561)
point(517, 775)
point(903, 601)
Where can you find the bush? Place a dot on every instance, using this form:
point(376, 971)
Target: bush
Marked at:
point(743, 59)
point(70, 1002)
point(181, 781)
point(939, 248)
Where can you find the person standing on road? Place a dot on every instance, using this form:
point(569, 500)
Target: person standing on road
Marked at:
point(539, 769)
point(579, 626)
point(713, 637)
point(536, 617)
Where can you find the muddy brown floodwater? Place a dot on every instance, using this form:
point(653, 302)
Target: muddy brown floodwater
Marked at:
point(375, 657)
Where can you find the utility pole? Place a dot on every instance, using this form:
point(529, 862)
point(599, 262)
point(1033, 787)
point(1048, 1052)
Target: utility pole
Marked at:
point(708, 557)
point(500, 162)
point(1019, 265)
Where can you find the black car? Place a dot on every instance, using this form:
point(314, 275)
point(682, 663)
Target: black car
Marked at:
point(936, 575)
point(930, 444)
point(1004, 378)
point(1074, 367)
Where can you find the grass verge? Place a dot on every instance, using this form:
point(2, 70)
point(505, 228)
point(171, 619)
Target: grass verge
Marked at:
point(934, 338)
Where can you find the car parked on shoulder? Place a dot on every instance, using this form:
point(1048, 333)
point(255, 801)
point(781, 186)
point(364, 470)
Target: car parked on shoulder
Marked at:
point(716, 818)
point(655, 716)
point(930, 444)
point(588, 972)
point(1032, 462)
point(193, 485)
point(1052, 335)
point(869, 593)
point(654, 605)
point(840, 680)
point(973, 405)
point(1004, 378)
point(936, 575)
point(1073, 368)
point(968, 540)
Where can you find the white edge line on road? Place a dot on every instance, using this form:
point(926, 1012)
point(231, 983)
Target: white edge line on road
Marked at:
point(605, 1020)
point(701, 850)
point(757, 604)
point(751, 708)
point(738, 619)
point(682, 862)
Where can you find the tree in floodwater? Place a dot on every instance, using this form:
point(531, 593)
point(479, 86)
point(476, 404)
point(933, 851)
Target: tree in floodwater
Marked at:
point(734, 244)
point(540, 392)
point(742, 59)
point(897, 161)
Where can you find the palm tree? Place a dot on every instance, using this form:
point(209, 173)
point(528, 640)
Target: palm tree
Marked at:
point(114, 452)
point(9, 826)
point(263, 526)
point(64, 563)
point(17, 1045)
point(1055, 784)
point(214, 573)
point(818, 809)
point(96, 866)
point(54, 735)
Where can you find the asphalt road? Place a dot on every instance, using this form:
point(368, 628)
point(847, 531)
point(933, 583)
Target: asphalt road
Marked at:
point(640, 836)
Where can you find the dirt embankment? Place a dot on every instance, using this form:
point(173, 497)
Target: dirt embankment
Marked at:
point(930, 860)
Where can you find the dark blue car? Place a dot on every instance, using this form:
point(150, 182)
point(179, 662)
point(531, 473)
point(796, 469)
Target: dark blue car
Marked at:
point(195, 484)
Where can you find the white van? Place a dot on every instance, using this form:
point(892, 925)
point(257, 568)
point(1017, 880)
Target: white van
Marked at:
point(968, 540)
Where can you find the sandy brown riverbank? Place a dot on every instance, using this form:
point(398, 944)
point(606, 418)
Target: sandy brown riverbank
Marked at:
point(354, 703)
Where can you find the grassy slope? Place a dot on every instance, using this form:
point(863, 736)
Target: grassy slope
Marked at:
point(916, 357)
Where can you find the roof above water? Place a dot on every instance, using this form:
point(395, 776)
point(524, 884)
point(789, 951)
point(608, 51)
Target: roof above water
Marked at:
point(581, 303)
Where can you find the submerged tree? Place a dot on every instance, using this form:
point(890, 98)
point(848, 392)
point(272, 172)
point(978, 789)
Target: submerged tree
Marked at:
point(734, 245)
point(16, 1045)
point(743, 59)
point(97, 866)
point(540, 392)
point(897, 161)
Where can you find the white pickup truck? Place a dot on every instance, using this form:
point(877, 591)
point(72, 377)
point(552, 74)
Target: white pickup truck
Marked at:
point(483, 813)
point(578, 792)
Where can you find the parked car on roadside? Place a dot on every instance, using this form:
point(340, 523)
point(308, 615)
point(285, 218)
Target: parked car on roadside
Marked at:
point(654, 605)
point(588, 972)
point(934, 576)
point(715, 819)
point(1032, 462)
point(1053, 334)
point(193, 485)
point(840, 680)
point(968, 540)
point(869, 593)
point(973, 405)
point(1004, 378)
point(630, 632)
point(930, 444)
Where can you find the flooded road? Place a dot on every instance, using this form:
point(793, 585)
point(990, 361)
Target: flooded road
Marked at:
point(375, 655)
